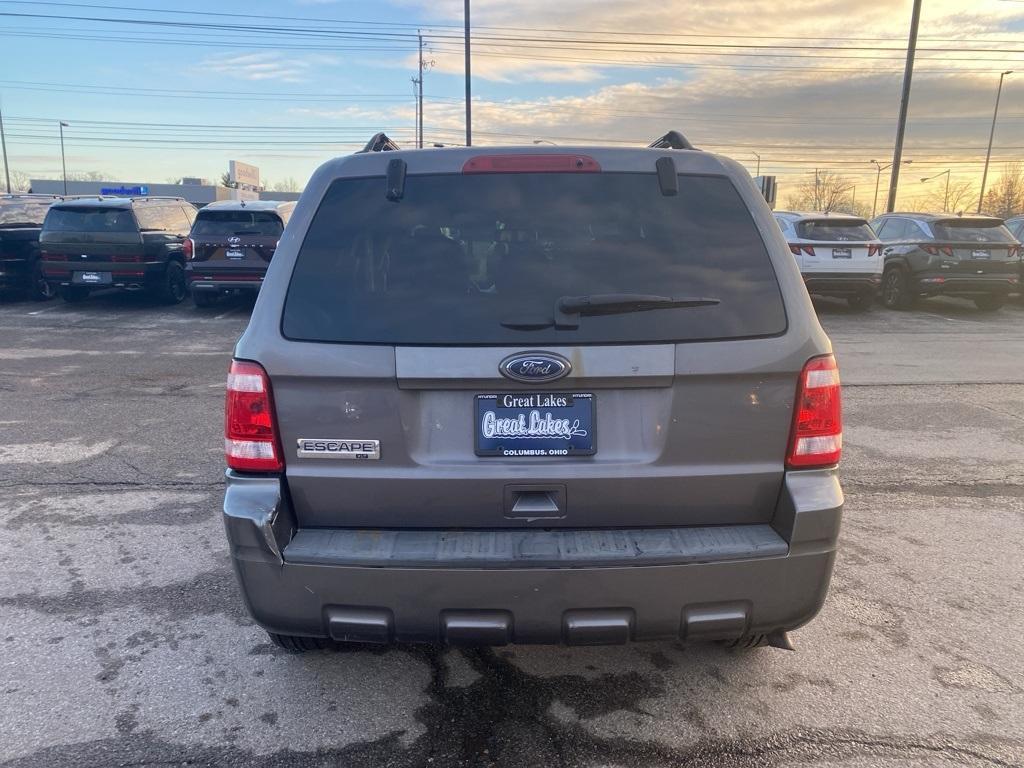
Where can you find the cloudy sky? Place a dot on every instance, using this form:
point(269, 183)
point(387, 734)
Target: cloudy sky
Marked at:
point(154, 90)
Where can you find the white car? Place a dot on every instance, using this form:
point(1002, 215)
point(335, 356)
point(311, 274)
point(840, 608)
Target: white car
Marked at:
point(838, 254)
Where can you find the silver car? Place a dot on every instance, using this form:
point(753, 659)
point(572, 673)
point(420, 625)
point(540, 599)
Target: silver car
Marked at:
point(532, 395)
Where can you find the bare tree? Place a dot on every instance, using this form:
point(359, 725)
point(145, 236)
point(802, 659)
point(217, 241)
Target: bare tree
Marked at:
point(288, 184)
point(962, 196)
point(88, 176)
point(20, 181)
point(828, 191)
point(1005, 198)
point(225, 181)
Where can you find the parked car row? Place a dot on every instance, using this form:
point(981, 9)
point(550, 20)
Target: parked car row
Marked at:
point(902, 257)
point(162, 245)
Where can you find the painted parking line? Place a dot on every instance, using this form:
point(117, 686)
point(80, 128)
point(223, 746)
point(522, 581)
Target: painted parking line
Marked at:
point(47, 309)
point(222, 315)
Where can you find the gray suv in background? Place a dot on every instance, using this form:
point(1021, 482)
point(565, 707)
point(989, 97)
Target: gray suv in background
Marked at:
point(968, 256)
point(522, 394)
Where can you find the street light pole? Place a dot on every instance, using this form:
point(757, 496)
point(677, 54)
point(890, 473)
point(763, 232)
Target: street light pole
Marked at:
point(945, 201)
point(63, 165)
point(469, 95)
point(758, 172)
point(991, 134)
point(878, 176)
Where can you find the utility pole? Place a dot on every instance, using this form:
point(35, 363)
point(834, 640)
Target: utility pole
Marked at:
point(3, 143)
point(469, 77)
point(817, 199)
point(63, 165)
point(901, 127)
point(419, 100)
point(991, 134)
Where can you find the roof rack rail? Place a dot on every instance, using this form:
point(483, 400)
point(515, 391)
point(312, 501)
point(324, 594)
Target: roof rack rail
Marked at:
point(380, 142)
point(671, 140)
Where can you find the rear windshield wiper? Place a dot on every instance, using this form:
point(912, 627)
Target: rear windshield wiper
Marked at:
point(568, 309)
point(618, 303)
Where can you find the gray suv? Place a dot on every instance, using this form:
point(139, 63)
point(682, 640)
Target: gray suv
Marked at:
point(532, 395)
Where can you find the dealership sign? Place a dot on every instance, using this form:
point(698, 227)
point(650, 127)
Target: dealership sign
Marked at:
point(125, 191)
point(243, 174)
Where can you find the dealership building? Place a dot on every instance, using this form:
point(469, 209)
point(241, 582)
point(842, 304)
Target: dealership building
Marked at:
point(197, 191)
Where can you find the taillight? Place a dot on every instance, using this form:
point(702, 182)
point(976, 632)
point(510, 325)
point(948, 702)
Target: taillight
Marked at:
point(531, 164)
point(873, 250)
point(250, 427)
point(188, 248)
point(122, 257)
point(48, 256)
point(935, 250)
point(817, 436)
point(794, 249)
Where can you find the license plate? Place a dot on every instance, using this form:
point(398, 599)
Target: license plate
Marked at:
point(842, 253)
point(92, 278)
point(531, 424)
point(981, 254)
point(235, 254)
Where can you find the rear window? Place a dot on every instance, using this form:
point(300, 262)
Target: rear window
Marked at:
point(218, 223)
point(90, 219)
point(475, 259)
point(972, 231)
point(22, 213)
point(837, 231)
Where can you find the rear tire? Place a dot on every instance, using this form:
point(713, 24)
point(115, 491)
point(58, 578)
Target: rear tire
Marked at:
point(73, 294)
point(299, 644)
point(989, 303)
point(39, 289)
point(204, 298)
point(172, 288)
point(860, 302)
point(895, 291)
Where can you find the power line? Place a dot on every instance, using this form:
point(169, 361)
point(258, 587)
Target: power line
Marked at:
point(506, 28)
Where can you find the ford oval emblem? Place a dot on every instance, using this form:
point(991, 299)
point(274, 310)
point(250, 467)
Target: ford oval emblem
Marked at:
point(535, 367)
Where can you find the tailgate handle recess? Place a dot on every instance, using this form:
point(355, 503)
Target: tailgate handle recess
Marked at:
point(533, 502)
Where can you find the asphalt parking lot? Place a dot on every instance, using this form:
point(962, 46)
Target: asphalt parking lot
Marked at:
point(125, 643)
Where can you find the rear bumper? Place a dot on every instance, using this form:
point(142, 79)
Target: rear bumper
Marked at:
point(842, 284)
point(296, 582)
point(214, 280)
point(966, 285)
point(14, 274)
point(123, 274)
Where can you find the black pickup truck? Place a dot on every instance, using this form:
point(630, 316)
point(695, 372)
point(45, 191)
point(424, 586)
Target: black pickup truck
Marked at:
point(134, 243)
point(21, 219)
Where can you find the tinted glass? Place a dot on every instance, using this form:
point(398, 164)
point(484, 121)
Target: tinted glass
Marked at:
point(162, 218)
point(972, 231)
point(1017, 229)
point(23, 213)
point(90, 219)
point(216, 223)
point(461, 255)
point(852, 230)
